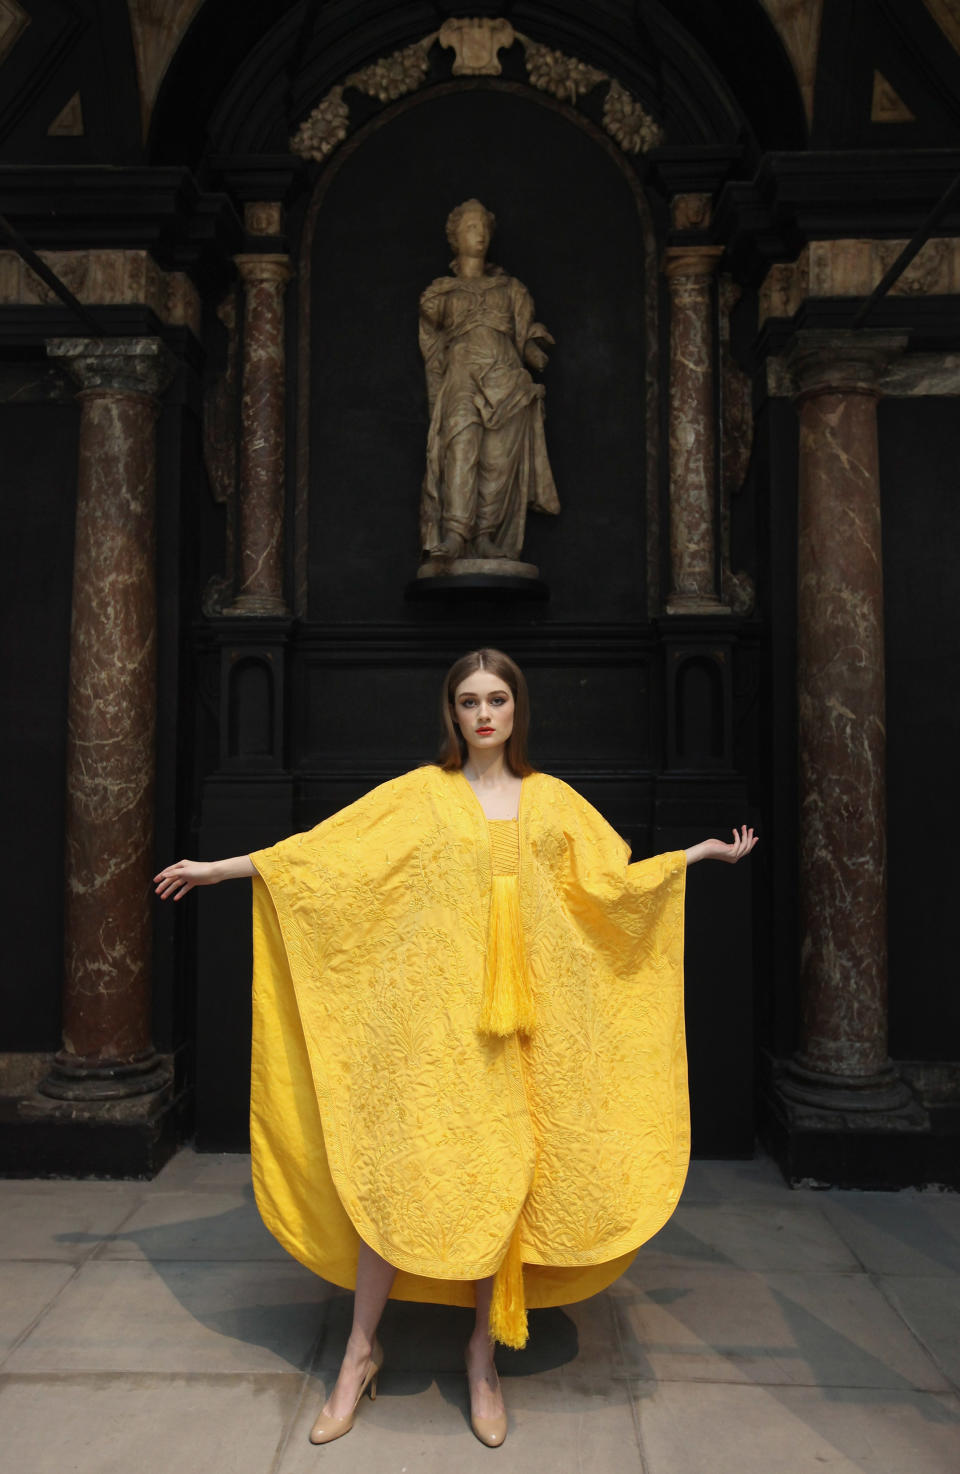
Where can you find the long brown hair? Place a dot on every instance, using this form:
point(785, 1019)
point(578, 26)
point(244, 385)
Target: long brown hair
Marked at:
point(453, 748)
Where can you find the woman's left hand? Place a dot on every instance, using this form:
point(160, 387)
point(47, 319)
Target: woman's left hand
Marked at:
point(715, 849)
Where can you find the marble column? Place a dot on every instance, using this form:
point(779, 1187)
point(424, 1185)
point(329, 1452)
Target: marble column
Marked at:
point(107, 1050)
point(842, 1060)
point(690, 272)
point(262, 436)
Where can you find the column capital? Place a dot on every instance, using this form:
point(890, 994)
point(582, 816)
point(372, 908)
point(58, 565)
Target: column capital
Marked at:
point(847, 361)
point(687, 261)
point(263, 266)
point(263, 217)
point(116, 365)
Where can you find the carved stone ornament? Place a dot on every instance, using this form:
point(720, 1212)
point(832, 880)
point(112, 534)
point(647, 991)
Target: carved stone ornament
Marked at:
point(394, 76)
point(562, 76)
point(690, 211)
point(627, 122)
point(328, 125)
point(263, 217)
point(475, 44)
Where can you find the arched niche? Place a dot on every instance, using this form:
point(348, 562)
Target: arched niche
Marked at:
point(699, 731)
point(574, 227)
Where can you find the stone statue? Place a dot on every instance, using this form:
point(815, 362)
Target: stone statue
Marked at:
point(486, 452)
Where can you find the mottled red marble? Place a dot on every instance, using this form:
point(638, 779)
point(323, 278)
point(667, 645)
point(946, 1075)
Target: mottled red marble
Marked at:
point(262, 436)
point(736, 447)
point(690, 272)
point(112, 706)
point(842, 738)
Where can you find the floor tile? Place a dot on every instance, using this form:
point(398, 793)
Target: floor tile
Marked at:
point(752, 1236)
point(729, 1184)
point(899, 1233)
point(171, 1317)
point(195, 1224)
point(26, 1290)
point(931, 1308)
point(112, 1424)
point(764, 1331)
point(420, 1423)
point(190, 1169)
point(68, 1224)
point(688, 1428)
point(732, 1326)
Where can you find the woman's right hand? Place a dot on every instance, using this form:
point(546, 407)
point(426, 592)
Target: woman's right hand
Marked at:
point(176, 880)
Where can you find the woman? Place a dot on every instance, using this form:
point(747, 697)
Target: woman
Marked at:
point(469, 1077)
point(486, 452)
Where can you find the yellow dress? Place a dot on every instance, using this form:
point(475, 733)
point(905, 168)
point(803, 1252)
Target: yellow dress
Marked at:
point(468, 1043)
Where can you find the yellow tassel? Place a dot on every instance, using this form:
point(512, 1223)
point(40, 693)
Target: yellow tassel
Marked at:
point(507, 1000)
point(508, 1311)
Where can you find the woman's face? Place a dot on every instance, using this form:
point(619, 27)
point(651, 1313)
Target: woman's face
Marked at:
point(483, 709)
point(473, 235)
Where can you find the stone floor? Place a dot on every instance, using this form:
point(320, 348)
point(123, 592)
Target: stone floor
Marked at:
point(157, 1327)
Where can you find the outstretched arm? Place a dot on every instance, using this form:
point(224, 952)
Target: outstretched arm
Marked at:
point(715, 849)
point(176, 880)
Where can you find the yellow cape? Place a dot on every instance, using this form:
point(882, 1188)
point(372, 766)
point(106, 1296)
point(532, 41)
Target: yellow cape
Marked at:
point(377, 1107)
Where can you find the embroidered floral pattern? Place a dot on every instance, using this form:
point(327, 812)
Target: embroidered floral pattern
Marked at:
point(438, 1136)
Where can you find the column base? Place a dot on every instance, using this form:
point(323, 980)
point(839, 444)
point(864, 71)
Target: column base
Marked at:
point(73, 1077)
point(883, 1091)
point(695, 604)
point(42, 1137)
point(254, 604)
point(844, 1143)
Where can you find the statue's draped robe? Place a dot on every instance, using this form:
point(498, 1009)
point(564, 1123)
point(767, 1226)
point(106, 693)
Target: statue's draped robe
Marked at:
point(379, 1109)
point(486, 452)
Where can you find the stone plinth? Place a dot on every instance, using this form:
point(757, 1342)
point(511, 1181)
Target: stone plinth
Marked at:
point(495, 567)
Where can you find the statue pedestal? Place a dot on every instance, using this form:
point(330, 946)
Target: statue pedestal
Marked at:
point(472, 578)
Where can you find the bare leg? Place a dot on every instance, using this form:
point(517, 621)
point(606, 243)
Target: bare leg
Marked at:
point(374, 1280)
point(485, 1396)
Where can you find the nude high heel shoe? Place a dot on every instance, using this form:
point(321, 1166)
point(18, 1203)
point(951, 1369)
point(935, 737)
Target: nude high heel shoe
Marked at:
point(490, 1431)
point(327, 1428)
